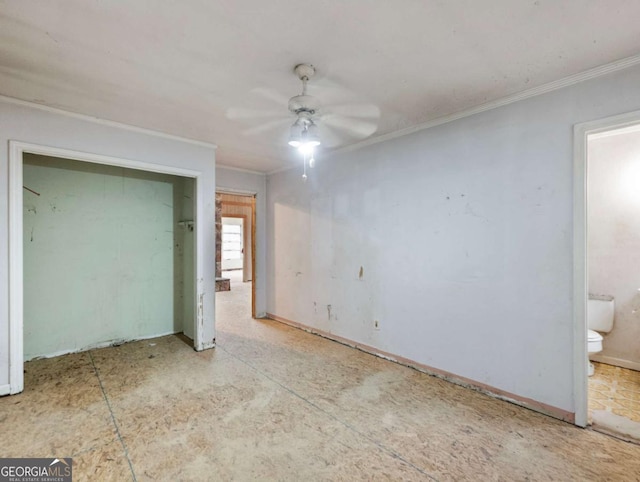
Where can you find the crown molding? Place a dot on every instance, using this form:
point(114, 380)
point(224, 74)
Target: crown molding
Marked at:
point(526, 94)
point(240, 169)
point(509, 99)
point(494, 104)
point(289, 167)
point(97, 120)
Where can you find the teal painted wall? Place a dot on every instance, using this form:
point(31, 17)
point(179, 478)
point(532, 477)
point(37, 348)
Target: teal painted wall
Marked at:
point(104, 257)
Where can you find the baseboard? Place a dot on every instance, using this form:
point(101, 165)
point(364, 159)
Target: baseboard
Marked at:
point(494, 392)
point(5, 390)
point(615, 425)
point(618, 362)
point(102, 344)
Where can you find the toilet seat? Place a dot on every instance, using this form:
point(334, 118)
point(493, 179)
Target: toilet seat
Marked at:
point(594, 345)
point(594, 342)
point(593, 336)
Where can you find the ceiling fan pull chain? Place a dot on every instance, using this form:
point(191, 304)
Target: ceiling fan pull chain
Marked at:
point(304, 169)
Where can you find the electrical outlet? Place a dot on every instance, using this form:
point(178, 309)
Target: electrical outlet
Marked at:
point(376, 325)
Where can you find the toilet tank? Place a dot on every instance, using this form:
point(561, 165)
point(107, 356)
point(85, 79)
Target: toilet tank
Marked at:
point(600, 312)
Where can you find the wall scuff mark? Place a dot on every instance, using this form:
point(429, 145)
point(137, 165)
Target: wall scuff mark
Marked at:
point(201, 310)
point(31, 190)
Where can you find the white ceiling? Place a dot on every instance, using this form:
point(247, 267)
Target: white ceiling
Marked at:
point(181, 67)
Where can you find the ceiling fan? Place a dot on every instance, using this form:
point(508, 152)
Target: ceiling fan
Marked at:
point(315, 124)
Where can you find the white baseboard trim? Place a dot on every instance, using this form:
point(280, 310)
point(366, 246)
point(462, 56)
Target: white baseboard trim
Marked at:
point(618, 362)
point(5, 390)
point(102, 344)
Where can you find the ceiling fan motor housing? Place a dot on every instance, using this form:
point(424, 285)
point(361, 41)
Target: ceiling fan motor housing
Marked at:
point(303, 103)
point(304, 70)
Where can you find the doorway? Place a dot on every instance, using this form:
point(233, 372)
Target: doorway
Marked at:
point(233, 245)
point(235, 257)
point(17, 153)
point(606, 239)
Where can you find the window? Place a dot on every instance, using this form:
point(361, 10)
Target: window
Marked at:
point(231, 241)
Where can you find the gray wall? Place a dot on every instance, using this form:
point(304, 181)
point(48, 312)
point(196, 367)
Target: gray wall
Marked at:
point(103, 255)
point(49, 128)
point(250, 182)
point(464, 235)
point(614, 240)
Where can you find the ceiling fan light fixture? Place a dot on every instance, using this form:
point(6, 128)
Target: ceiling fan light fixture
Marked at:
point(306, 149)
point(304, 137)
point(295, 136)
point(308, 144)
point(312, 136)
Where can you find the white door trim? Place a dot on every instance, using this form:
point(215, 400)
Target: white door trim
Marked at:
point(580, 266)
point(16, 295)
point(238, 192)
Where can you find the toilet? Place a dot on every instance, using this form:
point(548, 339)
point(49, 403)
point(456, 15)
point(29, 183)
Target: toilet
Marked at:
point(600, 312)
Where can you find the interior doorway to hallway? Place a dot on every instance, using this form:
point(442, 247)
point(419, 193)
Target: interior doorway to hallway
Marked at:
point(235, 254)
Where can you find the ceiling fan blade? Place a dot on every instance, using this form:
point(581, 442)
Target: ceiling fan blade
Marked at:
point(239, 113)
point(329, 137)
point(331, 92)
point(361, 111)
point(353, 127)
point(268, 126)
point(272, 95)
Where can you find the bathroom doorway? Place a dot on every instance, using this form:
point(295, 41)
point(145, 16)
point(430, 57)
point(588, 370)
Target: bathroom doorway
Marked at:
point(607, 281)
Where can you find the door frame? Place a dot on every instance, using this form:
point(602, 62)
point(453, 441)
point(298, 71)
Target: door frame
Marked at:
point(580, 251)
point(17, 149)
point(251, 195)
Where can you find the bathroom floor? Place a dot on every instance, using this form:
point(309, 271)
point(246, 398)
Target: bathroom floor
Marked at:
point(615, 390)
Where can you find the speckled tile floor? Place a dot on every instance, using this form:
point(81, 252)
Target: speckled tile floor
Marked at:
point(616, 390)
point(275, 403)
